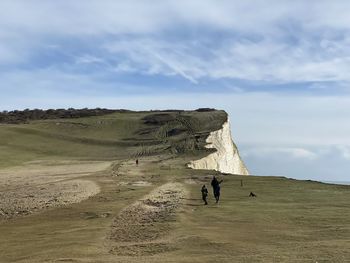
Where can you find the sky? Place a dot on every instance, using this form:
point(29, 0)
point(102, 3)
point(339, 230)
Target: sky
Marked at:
point(281, 69)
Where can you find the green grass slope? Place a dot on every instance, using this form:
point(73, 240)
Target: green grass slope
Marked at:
point(112, 136)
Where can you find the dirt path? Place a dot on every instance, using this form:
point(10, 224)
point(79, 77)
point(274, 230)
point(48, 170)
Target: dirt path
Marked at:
point(142, 228)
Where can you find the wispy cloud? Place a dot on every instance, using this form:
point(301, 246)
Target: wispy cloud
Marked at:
point(157, 57)
point(273, 41)
point(289, 152)
point(345, 151)
point(89, 59)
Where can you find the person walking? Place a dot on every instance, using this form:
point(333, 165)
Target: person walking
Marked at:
point(216, 188)
point(204, 191)
point(214, 184)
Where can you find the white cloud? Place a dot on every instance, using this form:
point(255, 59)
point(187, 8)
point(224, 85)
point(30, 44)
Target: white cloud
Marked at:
point(290, 152)
point(345, 151)
point(147, 16)
point(265, 60)
point(89, 59)
point(276, 41)
point(157, 57)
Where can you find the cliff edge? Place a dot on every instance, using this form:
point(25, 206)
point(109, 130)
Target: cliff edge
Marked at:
point(226, 159)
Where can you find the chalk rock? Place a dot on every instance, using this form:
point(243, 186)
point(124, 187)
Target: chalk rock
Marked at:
point(226, 159)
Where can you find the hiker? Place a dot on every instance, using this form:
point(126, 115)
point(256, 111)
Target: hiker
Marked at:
point(137, 161)
point(204, 194)
point(252, 194)
point(216, 188)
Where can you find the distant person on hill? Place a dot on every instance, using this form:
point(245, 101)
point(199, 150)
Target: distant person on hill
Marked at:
point(216, 188)
point(137, 161)
point(204, 194)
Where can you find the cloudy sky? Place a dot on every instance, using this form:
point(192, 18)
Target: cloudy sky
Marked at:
point(281, 69)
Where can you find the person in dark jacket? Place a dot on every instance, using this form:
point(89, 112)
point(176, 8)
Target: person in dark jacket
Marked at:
point(216, 188)
point(204, 191)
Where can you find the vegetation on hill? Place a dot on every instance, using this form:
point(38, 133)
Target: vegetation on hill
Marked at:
point(27, 115)
point(17, 116)
point(119, 134)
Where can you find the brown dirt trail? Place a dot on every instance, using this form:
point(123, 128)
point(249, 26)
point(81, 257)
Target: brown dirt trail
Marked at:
point(142, 228)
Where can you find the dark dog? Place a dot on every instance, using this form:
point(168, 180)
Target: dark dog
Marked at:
point(252, 194)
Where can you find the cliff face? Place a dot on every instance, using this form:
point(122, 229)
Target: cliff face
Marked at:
point(226, 159)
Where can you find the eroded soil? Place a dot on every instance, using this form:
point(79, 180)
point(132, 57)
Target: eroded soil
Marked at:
point(40, 185)
point(141, 228)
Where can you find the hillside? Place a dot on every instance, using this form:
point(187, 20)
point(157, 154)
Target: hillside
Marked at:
point(109, 137)
point(71, 191)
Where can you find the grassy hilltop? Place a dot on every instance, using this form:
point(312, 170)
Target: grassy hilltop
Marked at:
point(71, 192)
point(114, 136)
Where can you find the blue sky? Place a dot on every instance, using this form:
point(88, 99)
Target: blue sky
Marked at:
point(280, 68)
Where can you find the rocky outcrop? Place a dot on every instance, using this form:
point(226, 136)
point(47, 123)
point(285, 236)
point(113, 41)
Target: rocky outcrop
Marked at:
point(226, 159)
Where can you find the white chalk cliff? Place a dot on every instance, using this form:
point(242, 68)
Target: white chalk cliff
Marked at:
point(226, 159)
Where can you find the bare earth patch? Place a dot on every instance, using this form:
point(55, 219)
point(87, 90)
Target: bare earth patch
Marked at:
point(141, 228)
point(38, 185)
point(30, 199)
point(40, 172)
point(137, 183)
